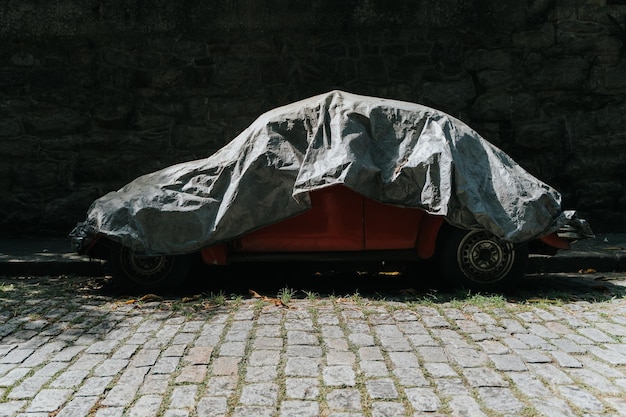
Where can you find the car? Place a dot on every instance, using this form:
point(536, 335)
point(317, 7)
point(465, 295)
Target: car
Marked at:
point(335, 178)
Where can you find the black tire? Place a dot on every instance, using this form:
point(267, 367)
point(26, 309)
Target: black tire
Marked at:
point(148, 273)
point(478, 260)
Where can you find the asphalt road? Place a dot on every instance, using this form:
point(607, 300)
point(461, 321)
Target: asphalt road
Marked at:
point(337, 345)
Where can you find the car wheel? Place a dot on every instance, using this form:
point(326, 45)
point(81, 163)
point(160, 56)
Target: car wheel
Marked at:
point(150, 273)
point(477, 259)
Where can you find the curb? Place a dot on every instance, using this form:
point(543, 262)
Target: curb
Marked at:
point(42, 268)
point(572, 262)
point(577, 261)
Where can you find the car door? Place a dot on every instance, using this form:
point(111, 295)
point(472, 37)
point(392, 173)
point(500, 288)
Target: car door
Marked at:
point(334, 223)
point(389, 227)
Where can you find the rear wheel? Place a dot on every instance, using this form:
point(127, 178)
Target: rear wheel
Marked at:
point(149, 273)
point(477, 259)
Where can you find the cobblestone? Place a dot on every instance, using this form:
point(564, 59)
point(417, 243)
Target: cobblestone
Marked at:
point(326, 356)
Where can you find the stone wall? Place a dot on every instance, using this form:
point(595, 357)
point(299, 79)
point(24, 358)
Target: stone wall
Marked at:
point(96, 92)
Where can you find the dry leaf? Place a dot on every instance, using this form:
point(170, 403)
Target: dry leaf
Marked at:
point(150, 297)
point(277, 302)
point(390, 273)
point(587, 271)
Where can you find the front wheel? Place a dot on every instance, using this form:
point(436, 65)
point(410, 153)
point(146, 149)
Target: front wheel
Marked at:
point(477, 259)
point(149, 273)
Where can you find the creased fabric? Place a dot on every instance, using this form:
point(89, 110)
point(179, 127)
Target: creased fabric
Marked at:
point(396, 152)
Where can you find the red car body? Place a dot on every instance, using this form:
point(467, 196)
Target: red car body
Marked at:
point(339, 221)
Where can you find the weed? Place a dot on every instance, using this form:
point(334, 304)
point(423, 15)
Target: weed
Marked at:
point(356, 298)
point(528, 412)
point(217, 299)
point(286, 294)
point(236, 299)
point(310, 295)
point(493, 300)
point(35, 316)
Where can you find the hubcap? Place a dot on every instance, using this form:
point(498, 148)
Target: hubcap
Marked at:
point(484, 259)
point(145, 269)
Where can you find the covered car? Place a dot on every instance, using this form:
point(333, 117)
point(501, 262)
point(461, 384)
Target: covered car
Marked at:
point(302, 171)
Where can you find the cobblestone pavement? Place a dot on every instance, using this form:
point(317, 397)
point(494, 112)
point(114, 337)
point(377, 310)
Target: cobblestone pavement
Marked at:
point(68, 348)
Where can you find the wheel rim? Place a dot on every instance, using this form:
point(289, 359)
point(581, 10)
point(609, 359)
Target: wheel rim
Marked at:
point(484, 259)
point(145, 269)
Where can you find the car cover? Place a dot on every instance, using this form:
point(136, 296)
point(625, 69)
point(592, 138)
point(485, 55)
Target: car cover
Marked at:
point(396, 152)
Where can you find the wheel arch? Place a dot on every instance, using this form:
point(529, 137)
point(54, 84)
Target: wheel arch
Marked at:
point(430, 228)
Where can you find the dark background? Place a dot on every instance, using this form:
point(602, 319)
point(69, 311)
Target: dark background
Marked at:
point(96, 92)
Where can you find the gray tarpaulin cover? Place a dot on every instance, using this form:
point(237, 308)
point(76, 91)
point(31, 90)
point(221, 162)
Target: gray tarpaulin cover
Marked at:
point(392, 151)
